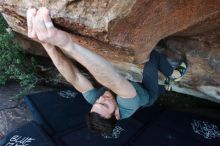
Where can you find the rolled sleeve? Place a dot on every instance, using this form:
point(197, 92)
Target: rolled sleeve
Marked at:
point(129, 103)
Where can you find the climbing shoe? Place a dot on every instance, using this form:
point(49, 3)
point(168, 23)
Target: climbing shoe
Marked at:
point(182, 69)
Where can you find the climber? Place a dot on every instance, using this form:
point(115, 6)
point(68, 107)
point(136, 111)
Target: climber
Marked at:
point(118, 98)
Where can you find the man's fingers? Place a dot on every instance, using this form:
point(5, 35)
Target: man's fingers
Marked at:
point(41, 29)
point(47, 20)
point(31, 13)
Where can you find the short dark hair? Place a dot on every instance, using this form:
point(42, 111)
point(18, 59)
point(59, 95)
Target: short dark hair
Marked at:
point(99, 124)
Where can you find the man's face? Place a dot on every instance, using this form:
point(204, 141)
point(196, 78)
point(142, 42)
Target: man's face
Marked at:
point(106, 106)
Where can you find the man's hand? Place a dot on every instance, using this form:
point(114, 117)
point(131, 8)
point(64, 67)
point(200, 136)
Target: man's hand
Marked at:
point(41, 28)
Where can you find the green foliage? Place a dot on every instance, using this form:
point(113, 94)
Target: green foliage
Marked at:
point(3, 25)
point(13, 62)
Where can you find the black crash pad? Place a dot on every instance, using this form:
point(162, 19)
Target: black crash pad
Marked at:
point(62, 114)
point(58, 111)
point(28, 135)
point(175, 128)
point(120, 136)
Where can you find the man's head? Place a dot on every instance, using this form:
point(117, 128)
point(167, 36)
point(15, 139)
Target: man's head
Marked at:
point(104, 114)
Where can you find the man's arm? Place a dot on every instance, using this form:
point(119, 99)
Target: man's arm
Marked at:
point(62, 63)
point(68, 70)
point(100, 68)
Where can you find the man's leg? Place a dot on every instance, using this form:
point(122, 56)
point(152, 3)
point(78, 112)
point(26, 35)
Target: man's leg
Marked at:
point(150, 75)
point(171, 73)
point(163, 65)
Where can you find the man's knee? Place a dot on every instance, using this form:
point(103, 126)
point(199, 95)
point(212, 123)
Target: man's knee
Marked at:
point(154, 55)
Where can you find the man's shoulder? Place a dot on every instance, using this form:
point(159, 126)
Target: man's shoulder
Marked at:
point(128, 106)
point(92, 94)
point(135, 102)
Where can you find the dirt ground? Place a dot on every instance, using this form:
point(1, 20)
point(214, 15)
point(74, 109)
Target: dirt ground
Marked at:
point(13, 113)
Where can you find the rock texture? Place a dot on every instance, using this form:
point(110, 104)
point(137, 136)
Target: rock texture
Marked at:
point(125, 32)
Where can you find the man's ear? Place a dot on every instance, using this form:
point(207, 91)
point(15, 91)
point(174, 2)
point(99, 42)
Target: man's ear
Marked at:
point(117, 114)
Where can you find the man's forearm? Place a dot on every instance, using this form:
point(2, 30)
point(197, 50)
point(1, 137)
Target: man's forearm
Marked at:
point(67, 69)
point(99, 67)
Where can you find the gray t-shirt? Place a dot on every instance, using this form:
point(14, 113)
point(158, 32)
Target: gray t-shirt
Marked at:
point(127, 107)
